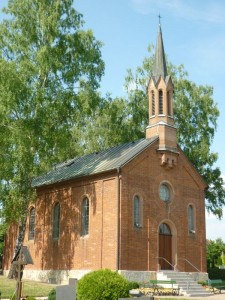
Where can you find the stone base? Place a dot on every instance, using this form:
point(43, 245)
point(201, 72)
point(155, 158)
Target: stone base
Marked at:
point(62, 276)
point(52, 276)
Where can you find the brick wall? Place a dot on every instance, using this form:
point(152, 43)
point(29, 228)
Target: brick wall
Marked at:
point(139, 247)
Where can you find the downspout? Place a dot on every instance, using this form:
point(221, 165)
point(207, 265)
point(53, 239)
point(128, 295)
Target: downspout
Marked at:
point(118, 220)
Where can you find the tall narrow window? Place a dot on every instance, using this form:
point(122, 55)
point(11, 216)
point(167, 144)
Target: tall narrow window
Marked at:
point(137, 212)
point(31, 224)
point(153, 103)
point(56, 220)
point(169, 103)
point(191, 223)
point(85, 217)
point(160, 102)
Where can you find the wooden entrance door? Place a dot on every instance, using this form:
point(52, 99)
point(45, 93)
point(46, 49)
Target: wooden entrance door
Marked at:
point(165, 247)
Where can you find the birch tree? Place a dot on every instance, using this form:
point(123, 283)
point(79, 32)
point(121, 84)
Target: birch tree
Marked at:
point(50, 69)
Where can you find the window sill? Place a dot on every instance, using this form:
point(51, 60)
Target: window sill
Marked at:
point(138, 226)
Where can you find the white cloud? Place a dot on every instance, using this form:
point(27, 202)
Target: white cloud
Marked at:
point(209, 11)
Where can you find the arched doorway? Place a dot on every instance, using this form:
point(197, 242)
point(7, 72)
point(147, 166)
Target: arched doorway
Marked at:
point(165, 247)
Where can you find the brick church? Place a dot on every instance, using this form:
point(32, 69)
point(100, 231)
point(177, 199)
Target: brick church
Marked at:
point(137, 208)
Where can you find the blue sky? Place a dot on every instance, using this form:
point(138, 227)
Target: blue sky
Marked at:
point(193, 34)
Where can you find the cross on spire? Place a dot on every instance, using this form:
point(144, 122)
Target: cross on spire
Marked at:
point(159, 19)
point(159, 68)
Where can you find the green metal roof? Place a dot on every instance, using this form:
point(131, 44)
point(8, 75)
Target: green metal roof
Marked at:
point(94, 163)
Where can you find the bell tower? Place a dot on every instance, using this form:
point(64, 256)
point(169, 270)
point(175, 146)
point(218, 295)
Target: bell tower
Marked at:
point(160, 98)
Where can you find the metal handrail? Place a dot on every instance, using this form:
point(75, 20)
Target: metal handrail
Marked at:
point(174, 266)
point(167, 262)
point(190, 264)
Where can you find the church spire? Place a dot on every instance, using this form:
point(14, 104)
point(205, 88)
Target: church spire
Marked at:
point(159, 68)
point(160, 97)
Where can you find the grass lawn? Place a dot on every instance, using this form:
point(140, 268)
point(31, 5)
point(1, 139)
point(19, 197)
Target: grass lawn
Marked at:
point(30, 288)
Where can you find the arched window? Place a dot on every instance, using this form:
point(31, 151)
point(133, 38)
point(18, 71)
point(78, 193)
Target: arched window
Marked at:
point(169, 103)
point(191, 222)
point(164, 229)
point(31, 224)
point(85, 217)
point(56, 220)
point(153, 103)
point(137, 216)
point(160, 102)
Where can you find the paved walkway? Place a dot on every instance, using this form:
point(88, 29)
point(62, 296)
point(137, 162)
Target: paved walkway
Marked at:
point(215, 297)
point(211, 297)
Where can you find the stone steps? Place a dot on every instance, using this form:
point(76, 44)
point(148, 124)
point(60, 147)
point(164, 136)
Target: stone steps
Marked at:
point(188, 287)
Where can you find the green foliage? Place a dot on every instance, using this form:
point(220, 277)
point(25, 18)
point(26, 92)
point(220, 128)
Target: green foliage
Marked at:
point(50, 70)
point(203, 283)
point(223, 258)
point(219, 261)
point(214, 250)
point(30, 298)
point(133, 285)
point(52, 295)
point(216, 273)
point(102, 285)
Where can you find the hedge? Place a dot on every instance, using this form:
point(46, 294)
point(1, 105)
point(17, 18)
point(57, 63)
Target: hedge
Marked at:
point(216, 273)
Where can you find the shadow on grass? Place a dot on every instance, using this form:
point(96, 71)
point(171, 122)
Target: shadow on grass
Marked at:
point(30, 288)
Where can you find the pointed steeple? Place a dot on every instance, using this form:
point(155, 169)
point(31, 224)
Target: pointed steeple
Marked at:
point(160, 96)
point(159, 67)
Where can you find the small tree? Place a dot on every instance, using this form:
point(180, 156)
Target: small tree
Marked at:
point(214, 250)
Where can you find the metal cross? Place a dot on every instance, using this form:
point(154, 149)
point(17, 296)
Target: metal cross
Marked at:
point(159, 19)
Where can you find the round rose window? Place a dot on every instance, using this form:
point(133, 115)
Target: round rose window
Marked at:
point(164, 192)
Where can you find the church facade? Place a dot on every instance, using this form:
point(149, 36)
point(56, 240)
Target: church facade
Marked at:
point(136, 208)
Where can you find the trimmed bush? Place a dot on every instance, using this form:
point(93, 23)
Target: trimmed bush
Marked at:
point(52, 295)
point(102, 285)
point(216, 273)
point(133, 285)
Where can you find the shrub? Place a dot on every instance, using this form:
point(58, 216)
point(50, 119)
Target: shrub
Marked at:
point(52, 295)
point(215, 273)
point(133, 285)
point(102, 285)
